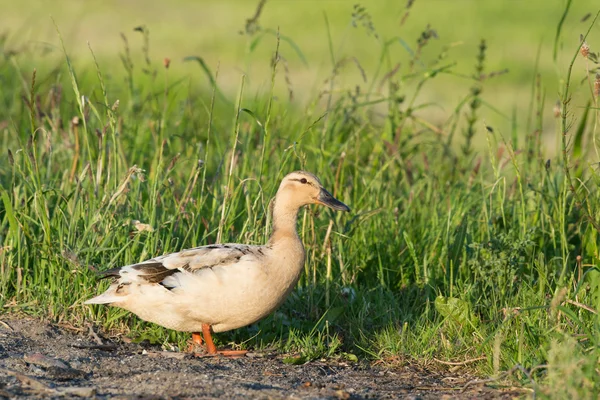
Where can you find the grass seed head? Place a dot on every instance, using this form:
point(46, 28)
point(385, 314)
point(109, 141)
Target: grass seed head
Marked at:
point(585, 48)
point(597, 85)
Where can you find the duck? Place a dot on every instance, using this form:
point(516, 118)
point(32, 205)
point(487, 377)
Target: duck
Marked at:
point(221, 287)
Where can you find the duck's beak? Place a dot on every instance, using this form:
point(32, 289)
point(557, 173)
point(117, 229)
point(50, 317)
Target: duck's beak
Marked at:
point(328, 200)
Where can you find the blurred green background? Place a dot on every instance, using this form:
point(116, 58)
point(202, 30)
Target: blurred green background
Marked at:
point(515, 32)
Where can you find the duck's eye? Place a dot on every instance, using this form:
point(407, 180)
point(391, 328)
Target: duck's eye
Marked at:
point(303, 180)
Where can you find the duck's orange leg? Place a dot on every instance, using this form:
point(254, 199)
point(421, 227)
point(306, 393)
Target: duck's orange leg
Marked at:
point(210, 346)
point(212, 349)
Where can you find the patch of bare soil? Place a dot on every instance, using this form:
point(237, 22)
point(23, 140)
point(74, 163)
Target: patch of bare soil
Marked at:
point(40, 360)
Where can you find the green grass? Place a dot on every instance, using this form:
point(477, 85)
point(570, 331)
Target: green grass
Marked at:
point(454, 250)
point(515, 33)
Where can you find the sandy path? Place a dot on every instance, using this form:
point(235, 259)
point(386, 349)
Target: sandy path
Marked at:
point(39, 360)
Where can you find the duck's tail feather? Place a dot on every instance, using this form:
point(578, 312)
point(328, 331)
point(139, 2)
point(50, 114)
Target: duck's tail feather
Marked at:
point(112, 295)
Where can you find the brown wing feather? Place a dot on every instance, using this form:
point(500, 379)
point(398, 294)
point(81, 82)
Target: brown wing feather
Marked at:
point(153, 272)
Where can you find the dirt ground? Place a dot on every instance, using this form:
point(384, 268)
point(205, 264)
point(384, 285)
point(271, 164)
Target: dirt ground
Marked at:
point(40, 360)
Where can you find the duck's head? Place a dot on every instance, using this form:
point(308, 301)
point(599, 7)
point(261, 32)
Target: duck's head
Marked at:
point(301, 188)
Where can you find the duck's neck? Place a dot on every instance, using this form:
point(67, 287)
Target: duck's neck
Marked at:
point(284, 223)
point(287, 248)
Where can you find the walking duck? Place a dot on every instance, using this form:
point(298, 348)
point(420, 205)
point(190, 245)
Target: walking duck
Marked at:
point(223, 286)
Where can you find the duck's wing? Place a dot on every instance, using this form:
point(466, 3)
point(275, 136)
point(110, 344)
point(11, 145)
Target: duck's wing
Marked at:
point(193, 260)
point(173, 270)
